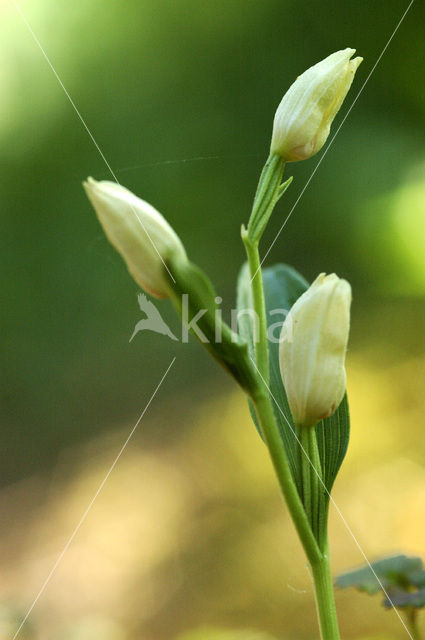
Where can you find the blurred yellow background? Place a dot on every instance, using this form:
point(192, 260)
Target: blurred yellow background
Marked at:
point(189, 531)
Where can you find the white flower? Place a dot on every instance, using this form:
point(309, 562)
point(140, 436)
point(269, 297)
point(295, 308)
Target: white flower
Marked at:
point(139, 233)
point(305, 114)
point(312, 359)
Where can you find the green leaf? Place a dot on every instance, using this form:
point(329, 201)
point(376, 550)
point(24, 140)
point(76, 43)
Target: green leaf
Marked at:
point(401, 599)
point(394, 571)
point(417, 578)
point(333, 435)
point(362, 579)
point(283, 285)
point(192, 291)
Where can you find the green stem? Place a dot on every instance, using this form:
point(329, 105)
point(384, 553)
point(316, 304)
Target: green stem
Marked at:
point(325, 600)
point(319, 561)
point(311, 473)
point(312, 476)
point(317, 489)
point(266, 197)
point(259, 305)
point(280, 462)
point(269, 190)
point(264, 410)
point(306, 472)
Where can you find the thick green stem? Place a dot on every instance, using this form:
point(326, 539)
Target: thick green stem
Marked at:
point(325, 600)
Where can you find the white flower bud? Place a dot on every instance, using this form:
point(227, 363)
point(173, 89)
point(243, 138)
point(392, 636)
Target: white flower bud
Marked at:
point(305, 114)
point(312, 353)
point(138, 232)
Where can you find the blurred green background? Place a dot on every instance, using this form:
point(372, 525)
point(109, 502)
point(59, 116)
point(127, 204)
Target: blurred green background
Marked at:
point(189, 531)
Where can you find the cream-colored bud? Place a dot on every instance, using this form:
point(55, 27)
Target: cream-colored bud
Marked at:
point(305, 114)
point(138, 232)
point(312, 349)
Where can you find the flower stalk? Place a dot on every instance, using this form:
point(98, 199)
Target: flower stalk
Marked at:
point(325, 599)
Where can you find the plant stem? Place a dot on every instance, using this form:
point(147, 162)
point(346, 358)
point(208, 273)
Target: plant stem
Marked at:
point(317, 490)
point(306, 471)
point(325, 600)
point(316, 473)
point(259, 305)
point(311, 475)
point(280, 462)
point(265, 199)
point(319, 561)
point(264, 409)
point(269, 190)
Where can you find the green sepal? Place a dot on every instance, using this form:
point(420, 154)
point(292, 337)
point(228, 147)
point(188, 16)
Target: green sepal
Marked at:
point(231, 351)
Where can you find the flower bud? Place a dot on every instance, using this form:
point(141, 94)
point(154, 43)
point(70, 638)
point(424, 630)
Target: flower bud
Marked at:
point(305, 114)
point(138, 232)
point(312, 349)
